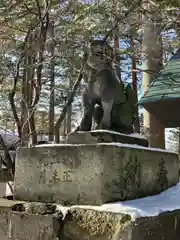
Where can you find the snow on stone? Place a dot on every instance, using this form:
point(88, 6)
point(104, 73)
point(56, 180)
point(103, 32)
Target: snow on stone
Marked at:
point(124, 145)
point(141, 207)
point(136, 147)
point(135, 135)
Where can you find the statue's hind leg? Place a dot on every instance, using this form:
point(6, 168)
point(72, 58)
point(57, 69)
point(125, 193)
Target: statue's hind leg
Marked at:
point(106, 120)
point(98, 115)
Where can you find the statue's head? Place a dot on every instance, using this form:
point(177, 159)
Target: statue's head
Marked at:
point(99, 53)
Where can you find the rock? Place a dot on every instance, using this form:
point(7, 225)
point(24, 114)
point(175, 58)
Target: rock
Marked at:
point(89, 224)
point(98, 136)
point(40, 208)
point(92, 174)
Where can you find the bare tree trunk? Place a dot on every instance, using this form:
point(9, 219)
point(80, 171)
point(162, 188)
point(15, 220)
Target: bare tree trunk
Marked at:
point(24, 105)
point(42, 33)
point(117, 56)
point(152, 49)
point(134, 84)
point(14, 89)
point(31, 112)
point(43, 121)
point(70, 100)
point(69, 110)
point(179, 140)
point(52, 85)
point(65, 127)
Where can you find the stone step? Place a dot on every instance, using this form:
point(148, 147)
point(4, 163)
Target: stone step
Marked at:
point(92, 173)
point(23, 220)
point(98, 136)
point(90, 224)
point(5, 209)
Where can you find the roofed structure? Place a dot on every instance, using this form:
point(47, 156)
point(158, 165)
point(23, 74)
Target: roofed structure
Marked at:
point(162, 98)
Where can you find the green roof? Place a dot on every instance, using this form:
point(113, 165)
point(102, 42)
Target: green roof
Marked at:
point(166, 86)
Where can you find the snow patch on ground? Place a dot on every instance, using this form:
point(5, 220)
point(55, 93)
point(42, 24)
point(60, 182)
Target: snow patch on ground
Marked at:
point(168, 200)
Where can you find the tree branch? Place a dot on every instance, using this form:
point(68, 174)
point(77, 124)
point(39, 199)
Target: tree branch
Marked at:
point(120, 19)
point(70, 100)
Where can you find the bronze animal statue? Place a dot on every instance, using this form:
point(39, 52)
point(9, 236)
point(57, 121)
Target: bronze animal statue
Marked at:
point(103, 86)
point(122, 115)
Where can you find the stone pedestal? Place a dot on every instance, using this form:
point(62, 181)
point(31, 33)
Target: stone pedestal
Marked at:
point(92, 174)
point(99, 136)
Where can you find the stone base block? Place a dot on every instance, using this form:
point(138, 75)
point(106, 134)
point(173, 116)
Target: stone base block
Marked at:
point(98, 136)
point(39, 221)
point(5, 208)
point(92, 174)
point(23, 225)
point(89, 224)
point(28, 221)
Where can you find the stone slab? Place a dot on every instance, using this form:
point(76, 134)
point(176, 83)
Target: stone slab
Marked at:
point(89, 224)
point(92, 174)
point(98, 136)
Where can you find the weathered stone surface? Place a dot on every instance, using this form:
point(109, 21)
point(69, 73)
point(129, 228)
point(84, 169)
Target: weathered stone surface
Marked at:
point(5, 207)
point(92, 174)
point(28, 220)
point(40, 221)
point(89, 224)
point(23, 225)
point(21, 220)
point(97, 136)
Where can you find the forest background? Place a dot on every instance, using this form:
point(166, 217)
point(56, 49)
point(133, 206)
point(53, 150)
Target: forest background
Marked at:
point(41, 51)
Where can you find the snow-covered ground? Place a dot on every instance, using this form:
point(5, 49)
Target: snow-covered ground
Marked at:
point(168, 200)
